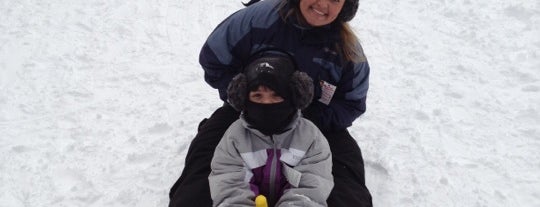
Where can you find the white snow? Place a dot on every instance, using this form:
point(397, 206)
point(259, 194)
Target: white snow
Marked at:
point(99, 100)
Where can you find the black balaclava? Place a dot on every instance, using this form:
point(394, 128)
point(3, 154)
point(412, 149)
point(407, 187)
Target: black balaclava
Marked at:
point(274, 73)
point(269, 118)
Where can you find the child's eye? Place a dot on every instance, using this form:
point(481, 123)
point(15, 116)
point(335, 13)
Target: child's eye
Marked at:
point(274, 94)
point(277, 98)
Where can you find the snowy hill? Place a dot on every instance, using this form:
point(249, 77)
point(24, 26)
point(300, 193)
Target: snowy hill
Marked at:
point(99, 100)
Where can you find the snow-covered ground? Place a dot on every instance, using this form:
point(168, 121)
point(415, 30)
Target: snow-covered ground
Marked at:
point(99, 100)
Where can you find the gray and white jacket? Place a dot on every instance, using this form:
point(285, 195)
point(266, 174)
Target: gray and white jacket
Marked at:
point(293, 168)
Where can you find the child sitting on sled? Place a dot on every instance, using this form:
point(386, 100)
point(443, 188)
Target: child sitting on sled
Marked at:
point(271, 150)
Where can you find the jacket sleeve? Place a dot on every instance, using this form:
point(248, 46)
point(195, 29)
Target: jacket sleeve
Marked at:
point(232, 41)
point(348, 102)
point(315, 173)
point(227, 184)
point(217, 57)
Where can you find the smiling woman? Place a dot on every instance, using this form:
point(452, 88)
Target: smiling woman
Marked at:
point(320, 12)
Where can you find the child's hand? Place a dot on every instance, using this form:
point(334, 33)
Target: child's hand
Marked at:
point(260, 201)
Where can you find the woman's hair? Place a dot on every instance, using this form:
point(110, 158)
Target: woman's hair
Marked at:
point(348, 45)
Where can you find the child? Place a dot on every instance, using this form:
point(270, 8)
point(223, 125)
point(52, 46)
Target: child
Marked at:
point(271, 150)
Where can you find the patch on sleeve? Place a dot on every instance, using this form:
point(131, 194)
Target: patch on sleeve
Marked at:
point(327, 92)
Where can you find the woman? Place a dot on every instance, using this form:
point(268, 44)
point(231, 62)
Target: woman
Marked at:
point(316, 33)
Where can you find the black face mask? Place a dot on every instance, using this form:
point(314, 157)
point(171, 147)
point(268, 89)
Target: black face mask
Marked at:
point(269, 118)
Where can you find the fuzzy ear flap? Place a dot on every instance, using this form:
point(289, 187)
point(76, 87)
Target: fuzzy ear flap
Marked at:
point(302, 89)
point(237, 92)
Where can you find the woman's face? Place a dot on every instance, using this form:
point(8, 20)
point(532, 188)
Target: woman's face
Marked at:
point(320, 12)
point(264, 95)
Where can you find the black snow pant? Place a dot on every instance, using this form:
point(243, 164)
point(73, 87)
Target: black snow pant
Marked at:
point(192, 188)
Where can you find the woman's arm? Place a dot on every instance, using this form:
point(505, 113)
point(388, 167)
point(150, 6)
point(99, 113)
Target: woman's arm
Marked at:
point(232, 41)
point(348, 101)
point(221, 53)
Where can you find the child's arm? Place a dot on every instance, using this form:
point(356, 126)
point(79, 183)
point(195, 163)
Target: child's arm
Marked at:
point(315, 174)
point(227, 184)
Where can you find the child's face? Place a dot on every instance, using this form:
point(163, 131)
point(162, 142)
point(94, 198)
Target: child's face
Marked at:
point(264, 95)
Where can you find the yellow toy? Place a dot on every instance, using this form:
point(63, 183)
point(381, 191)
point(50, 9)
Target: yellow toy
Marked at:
point(260, 201)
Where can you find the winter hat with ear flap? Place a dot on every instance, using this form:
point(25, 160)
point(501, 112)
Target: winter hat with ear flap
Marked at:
point(349, 10)
point(277, 71)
